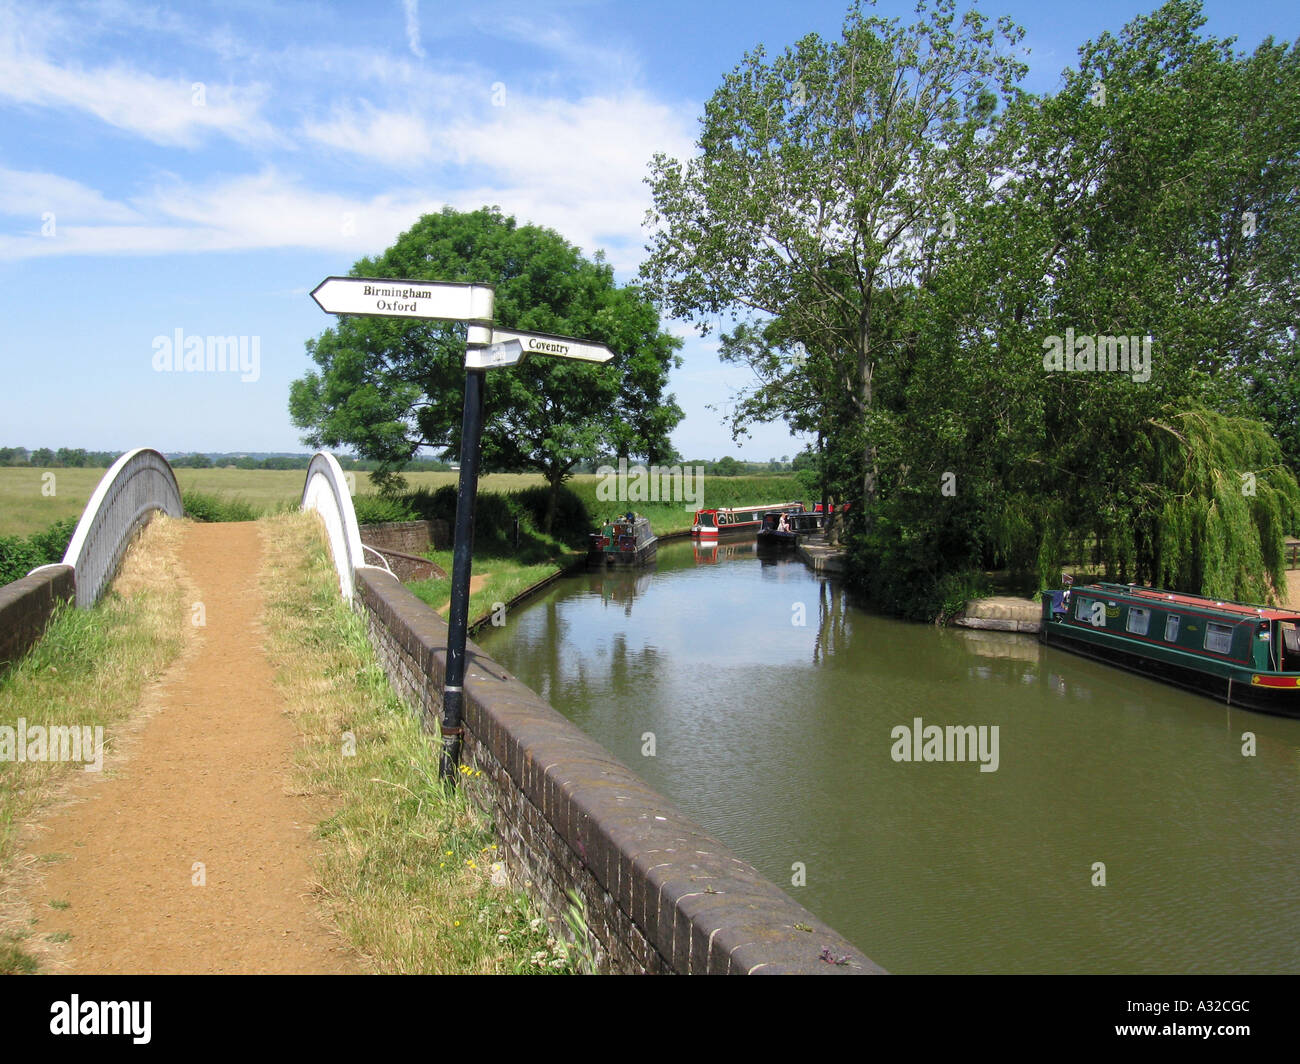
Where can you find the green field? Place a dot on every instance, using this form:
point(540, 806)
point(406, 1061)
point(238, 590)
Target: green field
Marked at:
point(25, 509)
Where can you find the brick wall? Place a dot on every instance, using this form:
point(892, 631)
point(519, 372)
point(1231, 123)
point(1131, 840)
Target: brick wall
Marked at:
point(409, 537)
point(661, 894)
point(407, 567)
point(26, 605)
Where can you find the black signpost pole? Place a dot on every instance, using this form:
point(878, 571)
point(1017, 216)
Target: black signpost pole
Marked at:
point(485, 347)
point(453, 694)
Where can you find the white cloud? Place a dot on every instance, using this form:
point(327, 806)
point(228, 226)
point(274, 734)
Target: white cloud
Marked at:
point(581, 60)
point(31, 193)
point(268, 210)
point(412, 8)
point(388, 137)
point(578, 167)
point(247, 212)
point(169, 111)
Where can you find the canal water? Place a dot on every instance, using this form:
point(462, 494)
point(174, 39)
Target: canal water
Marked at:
point(773, 701)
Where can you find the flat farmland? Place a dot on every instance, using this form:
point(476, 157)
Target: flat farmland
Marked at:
point(26, 508)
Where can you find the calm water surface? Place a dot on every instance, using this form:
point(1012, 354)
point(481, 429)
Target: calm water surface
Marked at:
point(776, 737)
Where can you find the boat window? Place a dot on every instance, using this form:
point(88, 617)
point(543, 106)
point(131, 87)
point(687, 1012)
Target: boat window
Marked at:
point(1083, 610)
point(1290, 639)
point(1171, 628)
point(1139, 619)
point(1218, 637)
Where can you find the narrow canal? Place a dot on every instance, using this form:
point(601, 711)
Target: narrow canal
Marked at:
point(777, 735)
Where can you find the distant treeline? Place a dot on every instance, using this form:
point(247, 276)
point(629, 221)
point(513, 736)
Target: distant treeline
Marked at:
point(298, 461)
point(77, 457)
point(71, 458)
point(717, 467)
point(63, 458)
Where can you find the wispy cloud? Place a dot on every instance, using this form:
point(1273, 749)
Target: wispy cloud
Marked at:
point(412, 8)
point(388, 137)
point(266, 210)
point(29, 193)
point(353, 144)
point(171, 111)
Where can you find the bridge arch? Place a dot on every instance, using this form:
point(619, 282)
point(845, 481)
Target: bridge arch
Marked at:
point(136, 486)
point(326, 492)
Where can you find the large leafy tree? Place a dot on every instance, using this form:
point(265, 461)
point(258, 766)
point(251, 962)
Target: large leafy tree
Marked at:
point(390, 386)
point(893, 210)
point(825, 186)
point(1125, 214)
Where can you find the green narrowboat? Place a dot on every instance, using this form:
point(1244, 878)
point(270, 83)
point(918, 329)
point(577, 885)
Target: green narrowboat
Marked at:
point(625, 541)
point(1241, 654)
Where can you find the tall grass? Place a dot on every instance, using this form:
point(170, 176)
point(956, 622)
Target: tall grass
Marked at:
point(20, 555)
point(496, 580)
point(408, 866)
point(200, 506)
point(578, 511)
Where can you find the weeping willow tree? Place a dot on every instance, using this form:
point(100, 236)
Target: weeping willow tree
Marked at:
point(1206, 510)
point(1226, 501)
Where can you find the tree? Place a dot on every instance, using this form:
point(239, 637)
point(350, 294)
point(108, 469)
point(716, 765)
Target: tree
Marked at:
point(1122, 216)
point(389, 386)
point(822, 193)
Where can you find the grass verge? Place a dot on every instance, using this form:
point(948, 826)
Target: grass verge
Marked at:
point(495, 579)
point(88, 670)
point(409, 868)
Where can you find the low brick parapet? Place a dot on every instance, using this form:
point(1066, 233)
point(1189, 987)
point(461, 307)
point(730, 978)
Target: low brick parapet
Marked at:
point(409, 537)
point(661, 894)
point(26, 606)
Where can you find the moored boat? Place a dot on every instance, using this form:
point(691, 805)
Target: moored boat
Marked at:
point(626, 541)
point(1242, 654)
point(781, 530)
point(738, 520)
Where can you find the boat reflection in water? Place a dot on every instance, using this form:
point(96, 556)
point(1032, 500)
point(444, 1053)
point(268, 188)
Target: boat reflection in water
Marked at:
point(621, 586)
point(710, 551)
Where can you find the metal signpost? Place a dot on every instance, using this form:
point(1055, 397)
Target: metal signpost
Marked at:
point(485, 348)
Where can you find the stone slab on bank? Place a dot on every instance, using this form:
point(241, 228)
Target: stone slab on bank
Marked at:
point(1002, 613)
point(661, 894)
point(820, 556)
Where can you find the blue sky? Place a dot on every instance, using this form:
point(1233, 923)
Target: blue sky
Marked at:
point(201, 167)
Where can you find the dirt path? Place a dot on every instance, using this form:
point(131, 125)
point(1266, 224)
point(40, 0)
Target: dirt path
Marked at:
point(1292, 600)
point(206, 779)
point(476, 582)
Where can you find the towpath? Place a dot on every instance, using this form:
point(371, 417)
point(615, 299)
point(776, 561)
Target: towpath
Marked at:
point(191, 854)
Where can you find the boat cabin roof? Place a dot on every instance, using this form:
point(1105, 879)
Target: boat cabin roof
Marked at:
point(765, 507)
point(1239, 611)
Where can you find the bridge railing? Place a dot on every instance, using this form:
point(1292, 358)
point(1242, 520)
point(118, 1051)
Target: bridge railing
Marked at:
point(326, 492)
point(136, 486)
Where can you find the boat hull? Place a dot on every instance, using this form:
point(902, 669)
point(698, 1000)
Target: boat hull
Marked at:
point(1231, 686)
point(623, 559)
point(775, 541)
